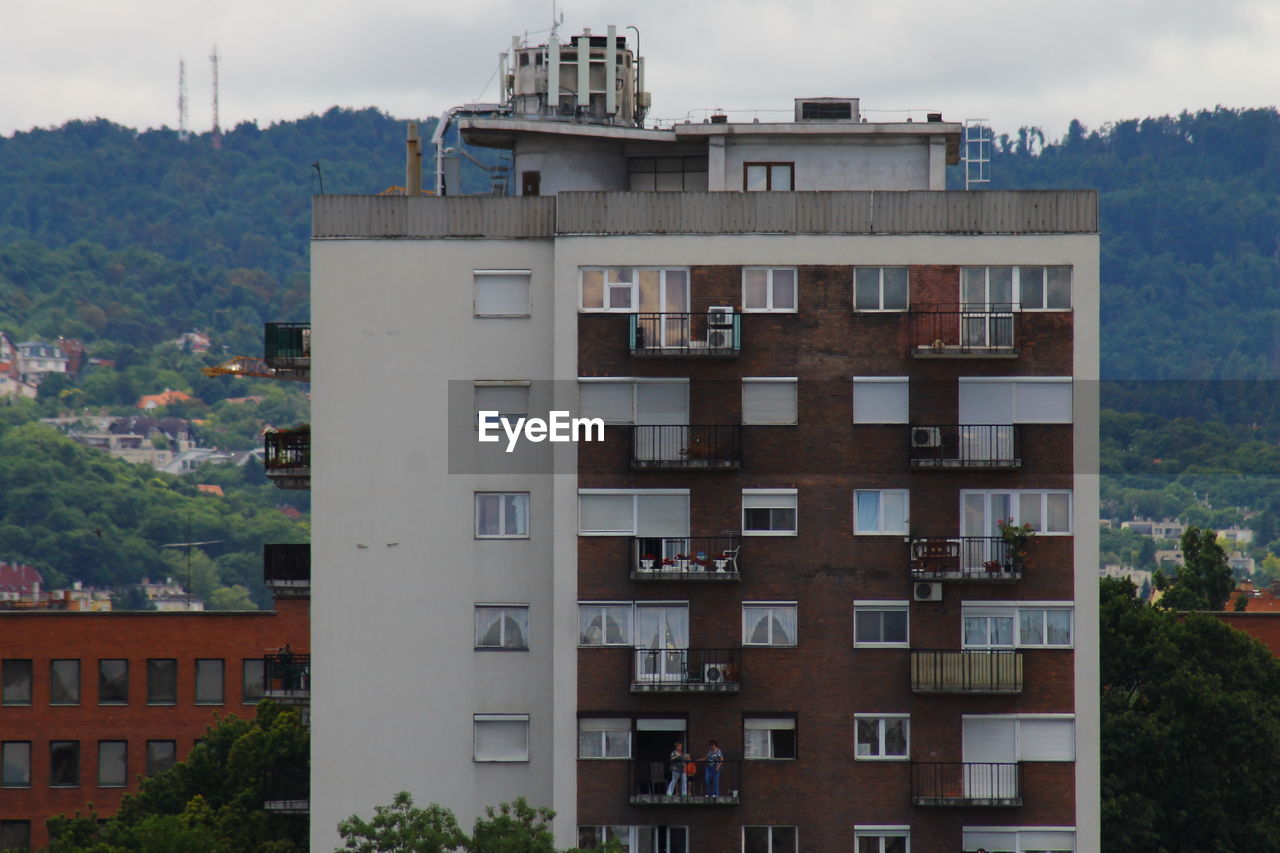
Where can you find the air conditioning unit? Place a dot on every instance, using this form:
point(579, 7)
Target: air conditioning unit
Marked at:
point(928, 592)
point(926, 437)
point(720, 327)
point(713, 673)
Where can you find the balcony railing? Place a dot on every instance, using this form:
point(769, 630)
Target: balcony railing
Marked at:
point(286, 565)
point(712, 333)
point(967, 558)
point(966, 784)
point(288, 457)
point(966, 671)
point(287, 676)
point(686, 447)
point(686, 558)
point(288, 345)
point(686, 670)
point(287, 791)
point(968, 329)
point(706, 786)
point(966, 447)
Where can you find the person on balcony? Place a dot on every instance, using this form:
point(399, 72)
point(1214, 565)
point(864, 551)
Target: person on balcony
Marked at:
point(676, 765)
point(715, 758)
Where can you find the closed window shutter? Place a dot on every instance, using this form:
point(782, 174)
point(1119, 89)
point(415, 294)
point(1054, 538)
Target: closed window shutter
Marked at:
point(1046, 740)
point(502, 738)
point(993, 842)
point(506, 399)
point(606, 514)
point(609, 401)
point(990, 740)
point(986, 402)
point(768, 723)
point(662, 402)
point(501, 294)
point(1055, 840)
point(662, 515)
point(768, 501)
point(879, 401)
point(1042, 403)
point(768, 402)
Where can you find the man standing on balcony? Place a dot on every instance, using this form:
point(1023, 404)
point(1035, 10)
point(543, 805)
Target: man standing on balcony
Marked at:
point(676, 766)
point(715, 758)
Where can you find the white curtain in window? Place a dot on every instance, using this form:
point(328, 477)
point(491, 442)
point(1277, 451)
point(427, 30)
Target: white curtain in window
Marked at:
point(868, 509)
point(502, 293)
point(662, 627)
point(880, 400)
point(769, 402)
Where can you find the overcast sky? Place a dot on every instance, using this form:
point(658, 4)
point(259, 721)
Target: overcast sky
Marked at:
point(1012, 61)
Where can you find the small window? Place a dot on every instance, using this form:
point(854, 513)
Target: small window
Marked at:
point(765, 289)
point(161, 755)
point(510, 400)
point(15, 758)
point(882, 839)
point(604, 737)
point(254, 681)
point(162, 681)
point(769, 624)
point(64, 763)
point(64, 682)
point(880, 624)
point(769, 400)
point(501, 515)
point(113, 764)
point(881, 400)
point(766, 738)
point(994, 626)
point(15, 835)
point(769, 839)
point(502, 626)
point(880, 512)
point(501, 737)
point(210, 683)
point(880, 288)
point(1044, 288)
point(502, 293)
point(761, 177)
point(17, 682)
point(769, 512)
point(882, 737)
point(604, 624)
point(113, 682)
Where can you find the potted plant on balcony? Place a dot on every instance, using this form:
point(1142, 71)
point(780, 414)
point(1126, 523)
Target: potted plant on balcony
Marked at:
point(682, 562)
point(668, 564)
point(722, 561)
point(646, 563)
point(1016, 538)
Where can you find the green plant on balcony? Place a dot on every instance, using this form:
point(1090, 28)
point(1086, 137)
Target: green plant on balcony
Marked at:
point(1016, 538)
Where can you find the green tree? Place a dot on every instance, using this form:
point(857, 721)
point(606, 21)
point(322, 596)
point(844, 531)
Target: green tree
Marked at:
point(403, 828)
point(1203, 581)
point(515, 827)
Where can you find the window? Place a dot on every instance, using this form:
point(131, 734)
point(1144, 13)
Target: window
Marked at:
point(502, 515)
point(880, 512)
point(161, 755)
point(769, 738)
point(604, 624)
point(64, 682)
point(64, 763)
point(1048, 513)
point(881, 736)
point(604, 737)
point(162, 681)
point(769, 839)
point(635, 290)
point(766, 289)
point(509, 399)
point(15, 758)
point(501, 293)
point(769, 400)
point(17, 682)
point(881, 400)
point(882, 839)
point(769, 512)
point(997, 625)
point(992, 738)
point(113, 682)
point(501, 737)
point(668, 174)
point(634, 401)
point(1015, 400)
point(15, 835)
point(1028, 840)
point(113, 764)
point(656, 513)
point(1027, 288)
point(880, 288)
point(636, 839)
point(880, 623)
point(209, 682)
point(502, 626)
point(1044, 288)
point(777, 177)
point(253, 681)
point(769, 623)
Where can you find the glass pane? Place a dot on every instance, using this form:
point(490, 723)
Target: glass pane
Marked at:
point(488, 627)
point(17, 682)
point(590, 744)
point(650, 292)
point(488, 509)
point(755, 839)
point(17, 765)
point(756, 622)
point(516, 625)
point(162, 682)
point(1000, 282)
point(64, 682)
point(896, 844)
point(1058, 288)
point(64, 762)
point(620, 297)
point(782, 519)
point(973, 286)
point(590, 626)
point(620, 275)
point(617, 625)
point(113, 682)
point(1002, 630)
point(1031, 287)
point(111, 763)
point(754, 289)
point(516, 514)
point(755, 519)
point(617, 744)
point(895, 737)
point(867, 626)
point(868, 737)
point(784, 626)
point(866, 288)
point(592, 289)
point(975, 515)
point(757, 178)
point(209, 681)
point(867, 844)
point(756, 743)
point(868, 512)
point(975, 630)
point(1029, 510)
point(1059, 627)
point(254, 675)
point(161, 755)
point(780, 178)
point(895, 512)
point(1001, 507)
point(895, 287)
point(784, 289)
point(1031, 627)
point(895, 626)
point(676, 293)
point(1059, 513)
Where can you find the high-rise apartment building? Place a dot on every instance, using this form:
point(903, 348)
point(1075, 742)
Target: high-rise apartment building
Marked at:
point(841, 521)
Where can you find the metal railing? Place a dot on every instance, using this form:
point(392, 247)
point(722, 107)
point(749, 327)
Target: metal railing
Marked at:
point(286, 344)
point(973, 558)
point(288, 449)
point(966, 671)
point(710, 333)
point(287, 791)
point(966, 446)
point(966, 784)
point(686, 557)
point(287, 675)
point(686, 446)
point(286, 562)
point(707, 785)
point(686, 670)
point(965, 329)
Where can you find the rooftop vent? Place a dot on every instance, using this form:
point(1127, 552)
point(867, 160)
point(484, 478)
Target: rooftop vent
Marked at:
point(826, 109)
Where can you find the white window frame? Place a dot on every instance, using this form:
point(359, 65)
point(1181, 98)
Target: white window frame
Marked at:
point(511, 417)
point(635, 510)
point(876, 606)
point(880, 294)
point(1016, 286)
point(636, 832)
point(881, 530)
point(477, 275)
point(769, 166)
point(769, 723)
point(502, 516)
point(777, 380)
point(881, 833)
point(771, 607)
point(503, 609)
point(633, 286)
point(1015, 508)
point(1043, 286)
point(904, 417)
point(792, 504)
point(622, 606)
point(769, 285)
point(477, 720)
point(596, 727)
point(1014, 610)
point(1015, 832)
point(880, 732)
point(771, 827)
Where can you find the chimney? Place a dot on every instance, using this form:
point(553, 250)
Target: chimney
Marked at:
point(413, 162)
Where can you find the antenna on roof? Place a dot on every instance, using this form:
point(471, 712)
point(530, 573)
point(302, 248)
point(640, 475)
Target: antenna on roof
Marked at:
point(977, 152)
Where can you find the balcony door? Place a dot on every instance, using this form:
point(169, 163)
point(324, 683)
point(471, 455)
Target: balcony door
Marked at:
point(666, 292)
point(986, 306)
point(980, 514)
point(990, 758)
point(662, 642)
point(664, 407)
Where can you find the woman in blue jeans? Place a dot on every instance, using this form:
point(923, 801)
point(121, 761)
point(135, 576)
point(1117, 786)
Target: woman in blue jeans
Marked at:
point(714, 759)
point(676, 763)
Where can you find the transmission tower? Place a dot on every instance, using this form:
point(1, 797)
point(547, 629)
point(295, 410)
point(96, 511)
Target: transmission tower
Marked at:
point(183, 133)
point(217, 131)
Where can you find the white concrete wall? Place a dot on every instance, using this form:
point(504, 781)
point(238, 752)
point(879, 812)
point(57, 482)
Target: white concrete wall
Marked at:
point(869, 164)
point(568, 163)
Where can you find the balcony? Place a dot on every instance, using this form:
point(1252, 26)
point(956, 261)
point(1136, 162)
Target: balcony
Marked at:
point(686, 447)
point(966, 671)
point(288, 457)
point(716, 334)
point(965, 558)
point(967, 447)
point(686, 670)
point(287, 791)
point(288, 350)
point(688, 558)
point(286, 569)
point(287, 678)
point(965, 331)
point(965, 784)
point(651, 779)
